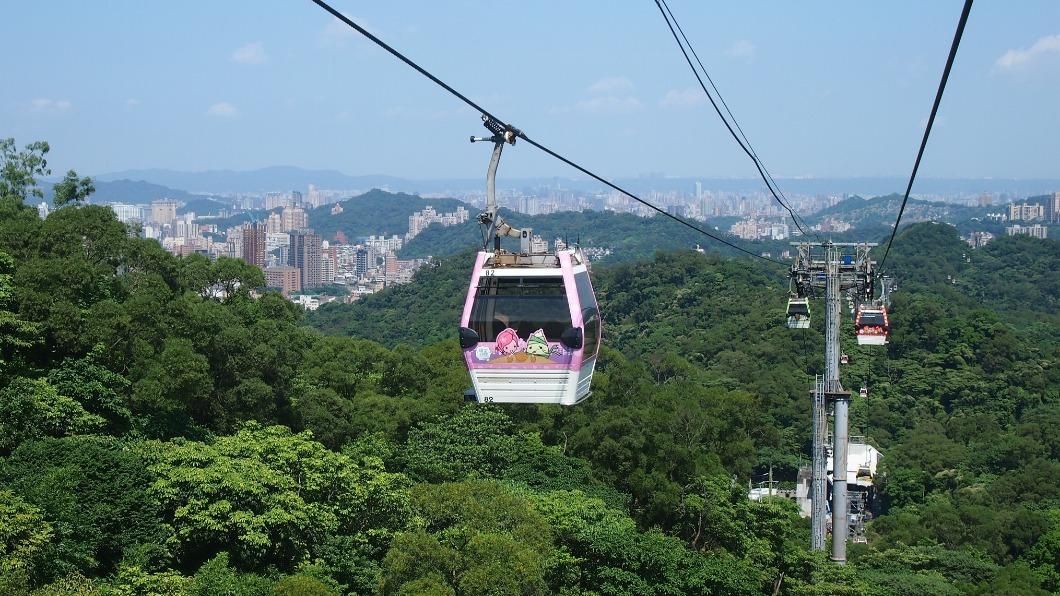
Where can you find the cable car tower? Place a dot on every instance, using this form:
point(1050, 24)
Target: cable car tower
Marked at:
point(831, 268)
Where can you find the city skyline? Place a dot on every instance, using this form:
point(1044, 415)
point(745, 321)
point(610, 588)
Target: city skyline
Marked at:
point(821, 91)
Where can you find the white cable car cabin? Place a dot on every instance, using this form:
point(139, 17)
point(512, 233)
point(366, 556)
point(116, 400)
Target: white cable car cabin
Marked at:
point(871, 326)
point(530, 330)
point(798, 313)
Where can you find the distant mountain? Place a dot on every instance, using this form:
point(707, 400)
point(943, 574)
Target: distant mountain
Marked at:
point(881, 211)
point(204, 206)
point(130, 191)
point(279, 178)
point(261, 180)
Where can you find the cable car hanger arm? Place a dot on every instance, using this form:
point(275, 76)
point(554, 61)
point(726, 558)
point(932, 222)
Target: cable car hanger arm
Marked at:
point(502, 133)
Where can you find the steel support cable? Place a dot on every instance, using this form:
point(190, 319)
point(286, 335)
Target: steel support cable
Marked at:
point(931, 120)
point(785, 202)
point(725, 121)
point(338, 15)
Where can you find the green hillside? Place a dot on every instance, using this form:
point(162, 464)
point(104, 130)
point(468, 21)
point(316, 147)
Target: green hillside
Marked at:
point(881, 211)
point(975, 346)
point(158, 440)
point(376, 212)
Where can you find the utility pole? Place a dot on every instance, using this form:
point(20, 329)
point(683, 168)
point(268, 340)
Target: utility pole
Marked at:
point(833, 268)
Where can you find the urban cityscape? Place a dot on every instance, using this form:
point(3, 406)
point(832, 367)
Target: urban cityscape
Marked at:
point(312, 270)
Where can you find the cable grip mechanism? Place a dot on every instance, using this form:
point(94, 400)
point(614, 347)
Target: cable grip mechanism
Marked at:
point(502, 133)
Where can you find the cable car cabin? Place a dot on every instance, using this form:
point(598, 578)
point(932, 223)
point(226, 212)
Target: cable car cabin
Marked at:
point(530, 330)
point(844, 359)
point(871, 326)
point(798, 313)
point(864, 391)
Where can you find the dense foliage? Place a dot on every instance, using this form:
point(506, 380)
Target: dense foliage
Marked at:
point(166, 430)
point(962, 402)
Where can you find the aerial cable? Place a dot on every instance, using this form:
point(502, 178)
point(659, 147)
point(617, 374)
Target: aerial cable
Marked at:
point(642, 201)
point(750, 154)
point(520, 134)
point(931, 120)
point(743, 135)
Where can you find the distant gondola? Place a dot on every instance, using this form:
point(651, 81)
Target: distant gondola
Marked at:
point(798, 313)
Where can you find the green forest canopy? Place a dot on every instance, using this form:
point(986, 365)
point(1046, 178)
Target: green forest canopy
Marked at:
point(161, 441)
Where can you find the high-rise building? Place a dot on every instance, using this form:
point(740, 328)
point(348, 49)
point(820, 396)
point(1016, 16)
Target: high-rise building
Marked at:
point(360, 266)
point(327, 268)
point(1036, 231)
point(1055, 215)
point(305, 254)
point(127, 213)
point(314, 198)
point(254, 237)
point(293, 218)
point(699, 189)
point(287, 279)
point(296, 198)
point(163, 212)
point(1026, 212)
point(275, 200)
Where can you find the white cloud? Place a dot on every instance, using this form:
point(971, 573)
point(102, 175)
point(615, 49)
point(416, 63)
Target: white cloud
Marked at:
point(252, 53)
point(132, 102)
point(1015, 59)
point(222, 109)
point(741, 50)
point(49, 106)
point(611, 85)
point(605, 105)
point(683, 98)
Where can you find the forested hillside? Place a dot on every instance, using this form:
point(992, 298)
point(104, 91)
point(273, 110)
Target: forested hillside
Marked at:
point(376, 212)
point(963, 403)
point(881, 211)
point(159, 440)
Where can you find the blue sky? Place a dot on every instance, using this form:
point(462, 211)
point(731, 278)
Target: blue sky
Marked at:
point(822, 89)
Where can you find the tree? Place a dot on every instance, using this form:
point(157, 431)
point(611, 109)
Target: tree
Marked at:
point(18, 170)
point(99, 390)
point(32, 408)
point(16, 334)
point(72, 190)
point(479, 538)
point(268, 497)
point(177, 381)
point(94, 492)
point(477, 442)
point(24, 538)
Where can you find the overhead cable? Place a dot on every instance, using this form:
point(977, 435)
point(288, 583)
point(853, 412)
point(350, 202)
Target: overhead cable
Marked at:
point(762, 172)
point(379, 42)
point(931, 120)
